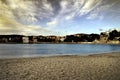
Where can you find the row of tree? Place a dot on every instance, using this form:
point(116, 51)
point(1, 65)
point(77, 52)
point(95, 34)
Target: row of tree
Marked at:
point(82, 38)
point(112, 35)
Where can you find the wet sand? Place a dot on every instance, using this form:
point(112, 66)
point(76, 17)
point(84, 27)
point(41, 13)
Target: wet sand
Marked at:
point(91, 67)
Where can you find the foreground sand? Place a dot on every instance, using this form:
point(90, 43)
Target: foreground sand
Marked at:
point(92, 67)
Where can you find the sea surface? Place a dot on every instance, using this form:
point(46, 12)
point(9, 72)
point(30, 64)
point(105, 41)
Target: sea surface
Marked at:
point(36, 50)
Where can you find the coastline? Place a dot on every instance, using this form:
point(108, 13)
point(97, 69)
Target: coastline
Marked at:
point(67, 67)
point(113, 53)
point(64, 43)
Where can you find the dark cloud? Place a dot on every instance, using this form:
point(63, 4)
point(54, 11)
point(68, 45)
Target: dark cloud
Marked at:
point(4, 1)
point(56, 5)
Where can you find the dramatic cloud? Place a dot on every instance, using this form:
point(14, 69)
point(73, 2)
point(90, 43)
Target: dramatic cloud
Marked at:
point(18, 17)
point(9, 26)
point(30, 10)
point(42, 16)
point(92, 9)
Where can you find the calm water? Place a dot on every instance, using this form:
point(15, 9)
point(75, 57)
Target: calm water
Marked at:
point(32, 50)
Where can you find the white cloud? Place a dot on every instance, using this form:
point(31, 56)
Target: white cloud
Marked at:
point(14, 13)
point(92, 16)
point(33, 11)
point(98, 12)
point(52, 23)
point(11, 26)
point(63, 4)
point(28, 11)
point(74, 8)
point(69, 17)
point(95, 16)
point(77, 8)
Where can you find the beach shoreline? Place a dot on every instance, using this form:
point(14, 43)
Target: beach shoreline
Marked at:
point(62, 55)
point(65, 67)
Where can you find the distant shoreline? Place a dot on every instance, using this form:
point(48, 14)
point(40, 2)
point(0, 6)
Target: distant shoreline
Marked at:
point(61, 43)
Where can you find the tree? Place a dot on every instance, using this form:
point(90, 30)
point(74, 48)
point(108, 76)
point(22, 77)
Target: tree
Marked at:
point(114, 34)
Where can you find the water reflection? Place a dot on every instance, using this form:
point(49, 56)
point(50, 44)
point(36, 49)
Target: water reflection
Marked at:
point(31, 50)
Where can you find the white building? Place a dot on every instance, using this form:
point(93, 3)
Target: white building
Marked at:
point(62, 39)
point(25, 39)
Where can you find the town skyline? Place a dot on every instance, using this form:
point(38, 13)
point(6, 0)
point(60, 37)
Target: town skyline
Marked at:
point(111, 37)
point(58, 17)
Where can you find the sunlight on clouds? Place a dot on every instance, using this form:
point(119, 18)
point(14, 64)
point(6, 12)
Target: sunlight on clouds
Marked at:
point(97, 12)
point(9, 26)
point(47, 5)
point(5, 10)
point(13, 4)
point(26, 11)
point(92, 9)
point(13, 14)
point(64, 4)
point(71, 9)
point(19, 10)
point(27, 16)
point(86, 6)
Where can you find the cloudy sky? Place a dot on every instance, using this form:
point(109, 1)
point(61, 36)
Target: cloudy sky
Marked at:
point(58, 17)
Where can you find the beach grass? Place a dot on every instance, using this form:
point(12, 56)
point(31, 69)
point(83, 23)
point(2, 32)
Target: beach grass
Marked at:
point(89, 67)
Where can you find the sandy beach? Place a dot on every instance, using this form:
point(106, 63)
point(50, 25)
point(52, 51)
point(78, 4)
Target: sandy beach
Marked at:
point(91, 67)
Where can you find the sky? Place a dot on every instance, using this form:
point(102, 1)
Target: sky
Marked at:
point(58, 17)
